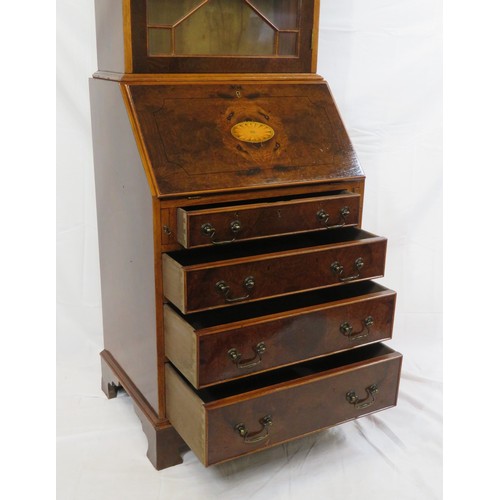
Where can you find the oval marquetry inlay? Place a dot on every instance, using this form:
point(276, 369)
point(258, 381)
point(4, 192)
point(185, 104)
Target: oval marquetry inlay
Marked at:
point(249, 131)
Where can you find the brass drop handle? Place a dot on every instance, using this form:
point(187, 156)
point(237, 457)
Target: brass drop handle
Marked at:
point(323, 217)
point(347, 329)
point(209, 231)
point(235, 356)
point(255, 437)
point(338, 269)
point(360, 404)
point(224, 289)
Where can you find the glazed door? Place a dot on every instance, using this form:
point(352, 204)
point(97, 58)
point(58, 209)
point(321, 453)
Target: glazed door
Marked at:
point(214, 36)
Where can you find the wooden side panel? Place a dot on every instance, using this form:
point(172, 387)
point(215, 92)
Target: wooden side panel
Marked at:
point(126, 246)
point(315, 37)
point(186, 412)
point(110, 36)
point(181, 345)
point(174, 286)
point(182, 227)
point(302, 408)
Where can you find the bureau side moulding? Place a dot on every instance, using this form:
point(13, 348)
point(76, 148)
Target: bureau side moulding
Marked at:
point(237, 280)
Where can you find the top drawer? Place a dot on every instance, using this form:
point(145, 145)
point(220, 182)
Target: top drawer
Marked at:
point(200, 226)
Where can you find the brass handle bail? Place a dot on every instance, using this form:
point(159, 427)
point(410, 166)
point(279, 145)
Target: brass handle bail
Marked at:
point(323, 216)
point(347, 329)
point(224, 289)
point(208, 230)
point(338, 269)
point(360, 404)
point(235, 356)
point(255, 437)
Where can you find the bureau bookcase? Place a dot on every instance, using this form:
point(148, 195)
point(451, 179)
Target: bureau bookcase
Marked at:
point(239, 307)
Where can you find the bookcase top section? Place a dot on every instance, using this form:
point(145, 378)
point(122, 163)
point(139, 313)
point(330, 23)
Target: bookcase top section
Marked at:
point(207, 36)
point(225, 137)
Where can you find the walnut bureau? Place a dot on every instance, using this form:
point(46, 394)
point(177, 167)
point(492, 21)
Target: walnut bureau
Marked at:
point(239, 310)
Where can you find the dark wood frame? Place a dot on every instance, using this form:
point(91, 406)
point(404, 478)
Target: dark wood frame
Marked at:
point(305, 62)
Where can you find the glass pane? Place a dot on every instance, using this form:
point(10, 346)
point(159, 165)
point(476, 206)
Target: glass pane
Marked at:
point(169, 11)
point(159, 41)
point(224, 27)
point(284, 14)
point(288, 44)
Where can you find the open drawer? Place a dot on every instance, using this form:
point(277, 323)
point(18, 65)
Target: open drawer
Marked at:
point(240, 417)
point(215, 346)
point(206, 278)
point(219, 224)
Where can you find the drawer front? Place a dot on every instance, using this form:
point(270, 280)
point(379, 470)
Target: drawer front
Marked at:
point(238, 424)
point(212, 226)
point(275, 275)
point(251, 348)
point(315, 404)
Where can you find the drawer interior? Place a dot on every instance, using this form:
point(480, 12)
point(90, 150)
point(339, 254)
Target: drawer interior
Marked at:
point(273, 245)
point(290, 373)
point(275, 199)
point(207, 319)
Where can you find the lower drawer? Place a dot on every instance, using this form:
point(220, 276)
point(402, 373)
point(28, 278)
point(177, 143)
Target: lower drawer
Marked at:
point(241, 417)
point(215, 346)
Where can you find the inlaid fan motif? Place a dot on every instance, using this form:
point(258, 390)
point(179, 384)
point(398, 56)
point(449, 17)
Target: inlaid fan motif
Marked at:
point(253, 132)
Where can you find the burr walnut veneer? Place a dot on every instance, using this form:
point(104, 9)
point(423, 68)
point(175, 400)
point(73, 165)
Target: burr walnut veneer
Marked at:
point(239, 310)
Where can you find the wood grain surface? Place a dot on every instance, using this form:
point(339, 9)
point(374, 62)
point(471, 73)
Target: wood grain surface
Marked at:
point(286, 265)
point(300, 400)
point(266, 218)
point(185, 131)
point(290, 336)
